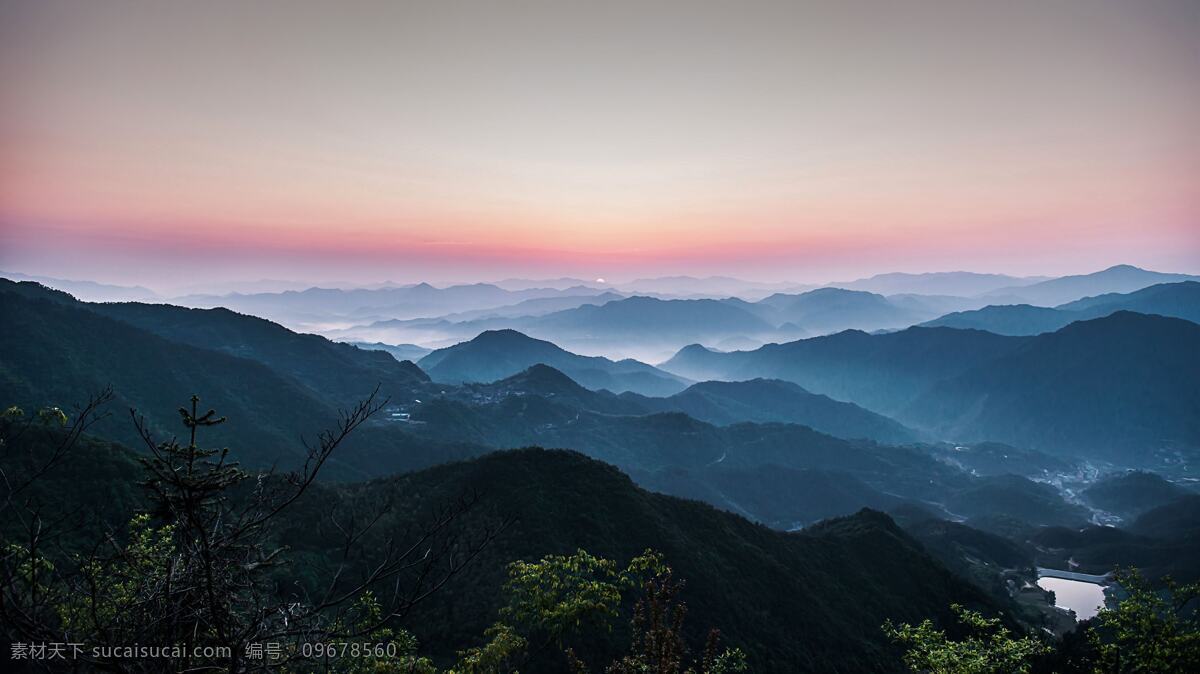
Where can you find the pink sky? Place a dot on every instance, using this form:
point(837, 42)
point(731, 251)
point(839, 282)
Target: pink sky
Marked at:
point(153, 144)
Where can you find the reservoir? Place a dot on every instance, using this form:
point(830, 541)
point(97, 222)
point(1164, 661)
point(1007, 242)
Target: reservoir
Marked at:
point(1085, 599)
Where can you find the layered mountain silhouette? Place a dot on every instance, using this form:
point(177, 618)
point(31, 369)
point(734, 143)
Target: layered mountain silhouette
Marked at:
point(774, 400)
point(1180, 300)
point(1132, 493)
point(834, 309)
point(651, 324)
point(1007, 319)
point(1119, 279)
point(61, 351)
point(410, 352)
point(882, 373)
point(960, 283)
point(497, 354)
point(319, 305)
point(1124, 386)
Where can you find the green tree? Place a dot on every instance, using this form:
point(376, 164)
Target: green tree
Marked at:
point(198, 569)
point(1149, 631)
point(658, 646)
point(560, 598)
point(989, 648)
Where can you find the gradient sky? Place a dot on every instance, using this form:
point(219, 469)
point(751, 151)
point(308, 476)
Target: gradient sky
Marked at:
point(165, 142)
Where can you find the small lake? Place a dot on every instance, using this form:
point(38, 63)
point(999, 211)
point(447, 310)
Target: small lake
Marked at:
point(1085, 599)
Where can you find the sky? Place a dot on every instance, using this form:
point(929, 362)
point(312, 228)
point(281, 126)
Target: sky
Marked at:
point(170, 143)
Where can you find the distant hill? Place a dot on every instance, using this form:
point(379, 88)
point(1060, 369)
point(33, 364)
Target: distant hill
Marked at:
point(508, 414)
point(718, 403)
point(976, 555)
point(1017, 497)
point(89, 290)
point(336, 370)
point(1162, 541)
point(1006, 319)
point(712, 286)
point(1133, 493)
point(996, 458)
point(410, 352)
point(546, 382)
point(637, 326)
point(768, 400)
point(1123, 387)
point(316, 306)
point(59, 354)
point(961, 283)
point(1179, 300)
point(60, 351)
point(653, 319)
point(497, 354)
point(811, 601)
point(539, 306)
point(882, 373)
point(1119, 279)
point(1179, 518)
point(833, 309)
point(782, 498)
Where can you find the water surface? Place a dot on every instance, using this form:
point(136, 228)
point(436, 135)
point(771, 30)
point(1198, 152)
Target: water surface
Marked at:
point(1085, 599)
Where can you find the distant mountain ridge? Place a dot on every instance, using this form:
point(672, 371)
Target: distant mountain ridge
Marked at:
point(1122, 278)
point(283, 386)
point(960, 283)
point(1124, 386)
point(664, 325)
point(879, 372)
point(317, 306)
point(497, 354)
point(773, 400)
point(89, 290)
point(1178, 300)
point(650, 327)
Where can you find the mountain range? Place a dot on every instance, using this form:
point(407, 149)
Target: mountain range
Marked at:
point(958, 283)
point(1179, 300)
point(284, 386)
point(1126, 385)
point(1122, 385)
point(1003, 434)
point(496, 354)
point(1121, 278)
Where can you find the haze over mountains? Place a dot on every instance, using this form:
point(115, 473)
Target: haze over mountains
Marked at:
point(650, 321)
point(498, 354)
point(1167, 299)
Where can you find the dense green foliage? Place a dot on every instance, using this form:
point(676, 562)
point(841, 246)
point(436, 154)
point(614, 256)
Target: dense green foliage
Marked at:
point(1150, 631)
point(988, 648)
